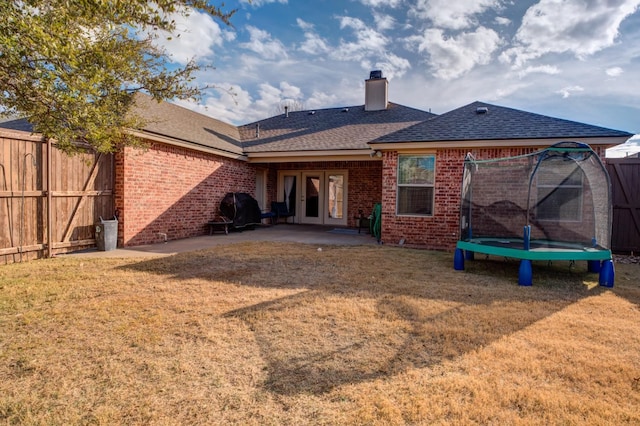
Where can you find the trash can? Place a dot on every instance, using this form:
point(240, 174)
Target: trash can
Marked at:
point(107, 234)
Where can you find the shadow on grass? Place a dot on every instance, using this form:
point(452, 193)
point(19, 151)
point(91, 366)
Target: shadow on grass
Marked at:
point(363, 313)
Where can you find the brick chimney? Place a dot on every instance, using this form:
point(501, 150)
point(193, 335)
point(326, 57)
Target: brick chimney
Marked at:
point(376, 92)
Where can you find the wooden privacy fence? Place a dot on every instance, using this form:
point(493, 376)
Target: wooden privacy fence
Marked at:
point(49, 201)
point(625, 184)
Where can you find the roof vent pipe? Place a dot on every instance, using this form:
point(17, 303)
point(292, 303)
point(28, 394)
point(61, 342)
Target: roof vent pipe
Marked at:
point(257, 131)
point(286, 111)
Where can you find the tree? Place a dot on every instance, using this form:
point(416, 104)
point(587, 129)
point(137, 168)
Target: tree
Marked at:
point(288, 105)
point(72, 66)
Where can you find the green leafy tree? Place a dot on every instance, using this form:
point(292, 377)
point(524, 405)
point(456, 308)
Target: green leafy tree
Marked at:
point(72, 66)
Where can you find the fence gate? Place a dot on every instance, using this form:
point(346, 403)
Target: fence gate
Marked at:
point(49, 201)
point(625, 181)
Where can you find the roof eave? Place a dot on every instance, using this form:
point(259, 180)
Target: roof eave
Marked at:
point(495, 143)
point(154, 137)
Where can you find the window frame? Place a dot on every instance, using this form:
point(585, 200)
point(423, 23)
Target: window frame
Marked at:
point(558, 218)
point(400, 185)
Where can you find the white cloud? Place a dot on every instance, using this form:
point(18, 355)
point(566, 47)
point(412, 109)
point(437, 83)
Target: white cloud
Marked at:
point(452, 57)
point(614, 71)
point(229, 35)
point(228, 103)
point(392, 66)
point(313, 43)
point(575, 26)
point(381, 3)
point(235, 105)
point(384, 22)
point(290, 91)
point(258, 3)
point(457, 15)
point(502, 20)
point(319, 99)
point(541, 69)
point(569, 90)
point(195, 37)
point(262, 44)
point(304, 25)
point(269, 96)
point(367, 41)
point(370, 48)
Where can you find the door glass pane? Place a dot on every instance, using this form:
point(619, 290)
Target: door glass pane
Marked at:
point(336, 196)
point(312, 196)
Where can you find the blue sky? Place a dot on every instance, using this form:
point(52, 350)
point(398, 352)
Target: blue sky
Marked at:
point(573, 59)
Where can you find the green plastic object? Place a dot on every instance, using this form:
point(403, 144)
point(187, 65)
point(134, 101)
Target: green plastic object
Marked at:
point(375, 224)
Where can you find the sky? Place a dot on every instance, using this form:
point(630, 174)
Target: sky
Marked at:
point(571, 59)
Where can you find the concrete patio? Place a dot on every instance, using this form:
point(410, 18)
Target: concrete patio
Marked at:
point(309, 234)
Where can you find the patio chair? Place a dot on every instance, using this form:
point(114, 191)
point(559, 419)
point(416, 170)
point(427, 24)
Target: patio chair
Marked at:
point(270, 215)
point(280, 209)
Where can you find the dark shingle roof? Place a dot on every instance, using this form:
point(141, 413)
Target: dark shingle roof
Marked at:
point(173, 121)
point(328, 129)
point(167, 119)
point(16, 123)
point(497, 123)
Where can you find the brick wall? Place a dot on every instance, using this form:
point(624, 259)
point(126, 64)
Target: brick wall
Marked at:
point(173, 191)
point(440, 231)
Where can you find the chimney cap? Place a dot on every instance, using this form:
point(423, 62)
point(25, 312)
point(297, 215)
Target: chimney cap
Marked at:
point(375, 74)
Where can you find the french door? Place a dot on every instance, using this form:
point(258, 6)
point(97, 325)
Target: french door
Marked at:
point(317, 197)
point(311, 198)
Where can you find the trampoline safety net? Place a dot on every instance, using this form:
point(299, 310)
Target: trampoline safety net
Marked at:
point(561, 192)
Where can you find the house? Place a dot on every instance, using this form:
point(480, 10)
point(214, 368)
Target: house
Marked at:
point(330, 165)
point(629, 149)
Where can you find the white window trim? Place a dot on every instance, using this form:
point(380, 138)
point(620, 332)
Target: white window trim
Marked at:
point(405, 185)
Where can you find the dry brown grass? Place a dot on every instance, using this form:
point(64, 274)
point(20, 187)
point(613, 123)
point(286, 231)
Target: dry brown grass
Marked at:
point(281, 333)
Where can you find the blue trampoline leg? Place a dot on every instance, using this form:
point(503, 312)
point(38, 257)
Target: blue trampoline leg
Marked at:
point(593, 266)
point(607, 274)
point(525, 274)
point(469, 255)
point(458, 260)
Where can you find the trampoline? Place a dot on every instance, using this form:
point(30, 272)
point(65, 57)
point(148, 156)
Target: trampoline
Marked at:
point(553, 204)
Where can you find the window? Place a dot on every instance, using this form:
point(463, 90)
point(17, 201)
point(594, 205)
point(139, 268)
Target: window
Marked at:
point(560, 195)
point(416, 178)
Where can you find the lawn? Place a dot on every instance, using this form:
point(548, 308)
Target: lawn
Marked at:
point(285, 334)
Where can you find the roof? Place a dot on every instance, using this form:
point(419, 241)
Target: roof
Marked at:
point(344, 128)
point(347, 128)
point(16, 123)
point(483, 121)
point(173, 121)
point(170, 121)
